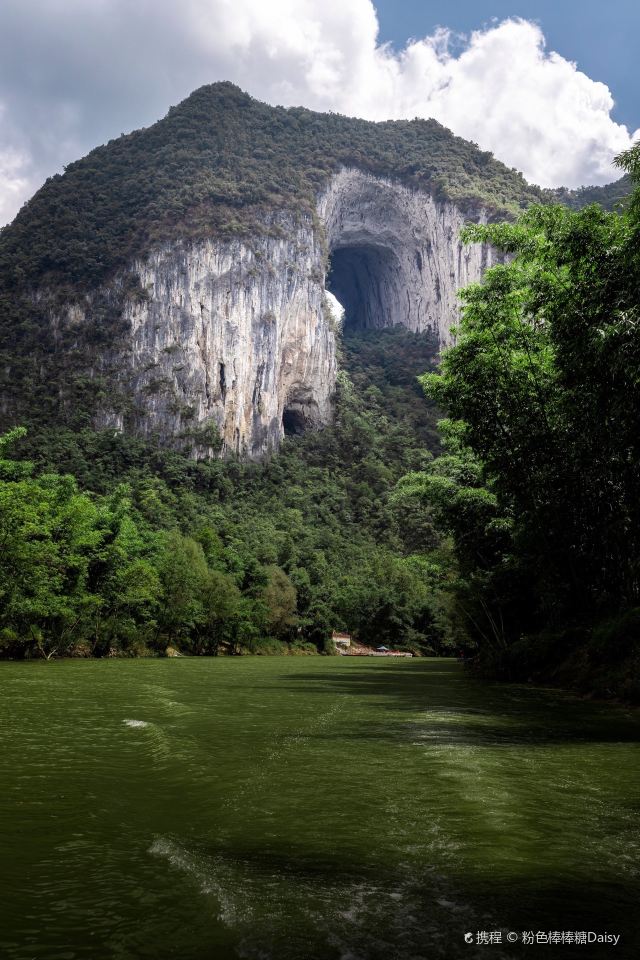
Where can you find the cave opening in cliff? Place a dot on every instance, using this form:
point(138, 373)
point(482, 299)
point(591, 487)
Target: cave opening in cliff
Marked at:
point(363, 278)
point(293, 422)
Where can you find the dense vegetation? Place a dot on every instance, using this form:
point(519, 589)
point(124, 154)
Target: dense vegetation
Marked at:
point(520, 541)
point(113, 545)
point(540, 484)
point(612, 196)
point(219, 162)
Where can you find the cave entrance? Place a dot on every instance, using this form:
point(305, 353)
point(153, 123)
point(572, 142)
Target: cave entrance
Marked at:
point(294, 422)
point(364, 279)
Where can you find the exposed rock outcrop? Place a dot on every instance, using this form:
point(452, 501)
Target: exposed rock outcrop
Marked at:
point(233, 336)
point(237, 336)
point(396, 253)
point(172, 283)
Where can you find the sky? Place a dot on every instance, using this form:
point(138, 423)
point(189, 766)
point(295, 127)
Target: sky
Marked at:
point(550, 87)
point(599, 36)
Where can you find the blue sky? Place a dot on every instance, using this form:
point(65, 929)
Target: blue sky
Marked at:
point(602, 37)
point(74, 73)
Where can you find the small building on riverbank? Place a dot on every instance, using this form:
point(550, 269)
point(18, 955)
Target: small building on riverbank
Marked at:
point(341, 641)
point(347, 647)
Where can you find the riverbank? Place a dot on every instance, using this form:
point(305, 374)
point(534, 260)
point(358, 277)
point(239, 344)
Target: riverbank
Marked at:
point(574, 666)
point(602, 662)
point(143, 652)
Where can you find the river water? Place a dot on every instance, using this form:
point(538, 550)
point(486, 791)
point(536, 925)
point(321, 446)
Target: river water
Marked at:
point(310, 809)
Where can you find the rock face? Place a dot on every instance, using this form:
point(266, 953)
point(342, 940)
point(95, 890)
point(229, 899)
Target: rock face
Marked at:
point(396, 254)
point(238, 336)
point(232, 336)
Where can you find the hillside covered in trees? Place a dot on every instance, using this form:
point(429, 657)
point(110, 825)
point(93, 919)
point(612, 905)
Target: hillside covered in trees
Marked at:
point(111, 545)
point(611, 196)
point(511, 533)
point(217, 164)
point(540, 484)
point(221, 166)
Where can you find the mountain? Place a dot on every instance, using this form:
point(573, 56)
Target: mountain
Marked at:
point(172, 283)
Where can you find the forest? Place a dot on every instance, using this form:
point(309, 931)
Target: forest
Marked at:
point(116, 546)
point(539, 486)
point(488, 505)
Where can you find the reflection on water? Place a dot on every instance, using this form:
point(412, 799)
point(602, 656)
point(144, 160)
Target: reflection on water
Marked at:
point(270, 809)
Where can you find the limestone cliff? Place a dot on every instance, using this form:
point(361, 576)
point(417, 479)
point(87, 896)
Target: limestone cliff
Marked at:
point(172, 284)
point(238, 335)
point(231, 335)
point(396, 253)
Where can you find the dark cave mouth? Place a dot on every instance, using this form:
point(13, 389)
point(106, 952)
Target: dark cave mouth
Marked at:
point(361, 278)
point(300, 413)
point(294, 422)
point(364, 279)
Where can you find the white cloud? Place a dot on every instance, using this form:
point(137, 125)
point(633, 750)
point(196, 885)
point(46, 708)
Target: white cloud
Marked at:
point(73, 74)
point(15, 184)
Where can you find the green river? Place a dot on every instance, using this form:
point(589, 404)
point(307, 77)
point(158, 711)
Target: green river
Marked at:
point(310, 809)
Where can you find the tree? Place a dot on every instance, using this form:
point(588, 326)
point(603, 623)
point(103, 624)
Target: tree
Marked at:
point(222, 614)
point(280, 600)
point(543, 391)
point(183, 576)
point(48, 533)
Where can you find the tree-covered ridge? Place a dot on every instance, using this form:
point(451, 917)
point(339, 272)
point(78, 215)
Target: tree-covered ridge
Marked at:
point(540, 487)
point(611, 196)
point(216, 164)
point(111, 544)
